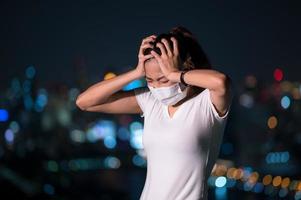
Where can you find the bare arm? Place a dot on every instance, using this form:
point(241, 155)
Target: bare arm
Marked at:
point(107, 96)
point(219, 85)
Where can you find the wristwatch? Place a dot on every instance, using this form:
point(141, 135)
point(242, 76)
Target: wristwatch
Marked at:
point(182, 77)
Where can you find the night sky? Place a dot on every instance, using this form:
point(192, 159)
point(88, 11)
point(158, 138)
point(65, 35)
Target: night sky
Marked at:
point(239, 37)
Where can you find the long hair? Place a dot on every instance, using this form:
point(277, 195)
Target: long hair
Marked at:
point(190, 51)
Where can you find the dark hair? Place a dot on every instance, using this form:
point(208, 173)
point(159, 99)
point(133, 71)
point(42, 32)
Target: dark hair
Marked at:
point(190, 51)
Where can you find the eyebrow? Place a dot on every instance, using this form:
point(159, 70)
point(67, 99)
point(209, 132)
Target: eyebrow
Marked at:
point(157, 79)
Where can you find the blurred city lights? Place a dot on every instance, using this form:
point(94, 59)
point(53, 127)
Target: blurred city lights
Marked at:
point(109, 75)
point(9, 136)
point(14, 126)
point(123, 133)
point(267, 179)
point(220, 193)
point(220, 181)
point(112, 162)
point(3, 115)
point(93, 134)
point(276, 181)
point(30, 71)
point(136, 129)
point(285, 102)
point(133, 84)
point(278, 74)
point(139, 161)
point(110, 142)
point(246, 100)
point(78, 136)
point(277, 157)
point(272, 122)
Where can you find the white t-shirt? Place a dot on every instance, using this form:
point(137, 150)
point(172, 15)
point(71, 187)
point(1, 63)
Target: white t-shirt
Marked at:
point(180, 150)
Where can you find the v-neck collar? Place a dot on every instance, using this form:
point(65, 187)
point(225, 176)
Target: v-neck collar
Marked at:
point(176, 113)
point(179, 110)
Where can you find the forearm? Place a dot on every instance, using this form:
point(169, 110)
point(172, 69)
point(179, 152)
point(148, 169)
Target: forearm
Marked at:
point(101, 91)
point(205, 78)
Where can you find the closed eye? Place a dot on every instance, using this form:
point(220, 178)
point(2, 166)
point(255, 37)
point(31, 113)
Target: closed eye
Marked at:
point(161, 81)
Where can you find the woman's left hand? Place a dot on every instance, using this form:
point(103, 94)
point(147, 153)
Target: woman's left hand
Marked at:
point(169, 60)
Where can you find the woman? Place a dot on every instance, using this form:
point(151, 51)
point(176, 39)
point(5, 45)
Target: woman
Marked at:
point(185, 107)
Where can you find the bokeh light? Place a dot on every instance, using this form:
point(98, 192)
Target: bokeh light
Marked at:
point(278, 74)
point(285, 102)
point(272, 122)
point(3, 115)
point(220, 181)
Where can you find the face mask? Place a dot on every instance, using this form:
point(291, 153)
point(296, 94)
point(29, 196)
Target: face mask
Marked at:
point(169, 95)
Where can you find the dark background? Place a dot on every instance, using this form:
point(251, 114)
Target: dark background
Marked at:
point(74, 44)
point(239, 37)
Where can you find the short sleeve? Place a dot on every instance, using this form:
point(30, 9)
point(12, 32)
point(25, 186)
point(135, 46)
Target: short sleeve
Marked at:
point(211, 108)
point(143, 97)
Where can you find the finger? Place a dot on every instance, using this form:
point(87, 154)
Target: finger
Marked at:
point(143, 47)
point(147, 45)
point(162, 48)
point(148, 56)
point(147, 42)
point(156, 55)
point(167, 46)
point(175, 46)
point(148, 39)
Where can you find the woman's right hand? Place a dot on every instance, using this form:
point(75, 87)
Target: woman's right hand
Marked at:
point(141, 57)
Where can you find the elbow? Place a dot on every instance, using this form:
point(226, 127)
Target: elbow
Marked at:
point(224, 83)
point(79, 103)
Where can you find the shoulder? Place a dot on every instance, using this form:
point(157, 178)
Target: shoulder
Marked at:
point(207, 107)
point(144, 98)
point(143, 93)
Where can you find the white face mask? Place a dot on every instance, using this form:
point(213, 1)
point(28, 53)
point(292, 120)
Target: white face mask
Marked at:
point(169, 95)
